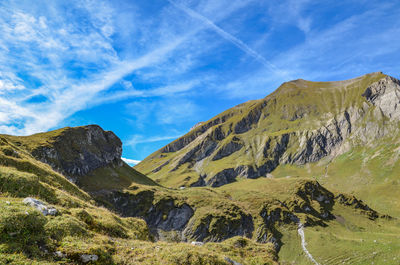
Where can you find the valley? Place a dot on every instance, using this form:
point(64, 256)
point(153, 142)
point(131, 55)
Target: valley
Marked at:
point(307, 175)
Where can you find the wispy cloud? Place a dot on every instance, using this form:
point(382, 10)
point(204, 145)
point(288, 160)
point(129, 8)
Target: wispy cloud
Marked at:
point(131, 92)
point(229, 37)
point(140, 139)
point(71, 63)
point(167, 68)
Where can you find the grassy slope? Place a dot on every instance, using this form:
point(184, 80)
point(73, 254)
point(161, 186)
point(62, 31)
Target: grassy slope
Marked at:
point(112, 177)
point(349, 239)
point(346, 240)
point(295, 106)
point(81, 227)
point(86, 228)
point(369, 172)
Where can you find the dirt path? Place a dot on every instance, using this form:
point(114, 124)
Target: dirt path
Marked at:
point(300, 230)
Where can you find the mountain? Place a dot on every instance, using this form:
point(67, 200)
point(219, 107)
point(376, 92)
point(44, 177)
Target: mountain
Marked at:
point(81, 153)
point(278, 180)
point(50, 185)
point(345, 134)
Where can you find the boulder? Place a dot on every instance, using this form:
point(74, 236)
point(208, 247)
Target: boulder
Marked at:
point(85, 258)
point(41, 206)
point(230, 261)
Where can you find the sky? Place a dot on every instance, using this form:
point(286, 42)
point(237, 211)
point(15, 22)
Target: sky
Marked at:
point(149, 70)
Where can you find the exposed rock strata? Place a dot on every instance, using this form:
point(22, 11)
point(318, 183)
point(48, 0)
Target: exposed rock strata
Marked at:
point(241, 141)
point(78, 151)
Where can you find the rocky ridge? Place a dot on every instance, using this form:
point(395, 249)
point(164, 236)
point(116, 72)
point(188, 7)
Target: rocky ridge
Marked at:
point(294, 125)
point(77, 151)
point(179, 217)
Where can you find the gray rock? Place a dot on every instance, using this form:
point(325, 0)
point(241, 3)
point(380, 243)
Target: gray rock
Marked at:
point(163, 215)
point(385, 94)
point(59, 254)
point(246, 123)
point(200, 182)
point(232, 261)
point(228, 149)
point(236, 223)
point(85, 258)
point(197, 243)
point(189, 138)
point(199, 152)
point(222, 178)
point(41, 206)
point(77, 151)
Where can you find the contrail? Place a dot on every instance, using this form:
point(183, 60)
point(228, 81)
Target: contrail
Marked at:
point(238, 43)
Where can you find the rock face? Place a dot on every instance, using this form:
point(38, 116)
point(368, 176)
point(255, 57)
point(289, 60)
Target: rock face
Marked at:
point(171, 215)
point(77, 151)
point(302, 122)
point(385, 95)
point(164, 215)
point(307, 203)
point(216, 228)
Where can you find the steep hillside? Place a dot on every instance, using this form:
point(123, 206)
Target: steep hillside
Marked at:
point(304, 128)
point(47, 218)
point(80, 153)
point(93, 209)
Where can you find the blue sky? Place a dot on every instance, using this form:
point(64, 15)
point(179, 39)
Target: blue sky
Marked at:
point(151, 69)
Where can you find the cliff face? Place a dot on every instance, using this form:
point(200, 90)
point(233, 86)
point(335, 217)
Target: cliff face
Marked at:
point(300, 123)
point(78, 151)
point(87, 155)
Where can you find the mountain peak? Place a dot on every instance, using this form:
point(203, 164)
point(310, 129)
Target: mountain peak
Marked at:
point(301, 122)
point(318, 85)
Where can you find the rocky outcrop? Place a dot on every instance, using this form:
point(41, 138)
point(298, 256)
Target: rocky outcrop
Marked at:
point(78, 151)
point(163, 215)
point(246, 123)
point(350, 200)
point(224, 177)
point(301, 208)
point(193, 134)
point(229, 175)
point(172, 215)
point(40, 206)
point(385, 95)
point(216, 228)
point(228, 149)
point(199, 152)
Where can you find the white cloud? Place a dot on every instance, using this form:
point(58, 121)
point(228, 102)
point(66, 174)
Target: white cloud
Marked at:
point(131, 161)
point(50, 51)
point(7, 85)
point(48, 39)
point(67, 93)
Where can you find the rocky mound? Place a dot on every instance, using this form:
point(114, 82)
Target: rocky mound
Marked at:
point(80, 152)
